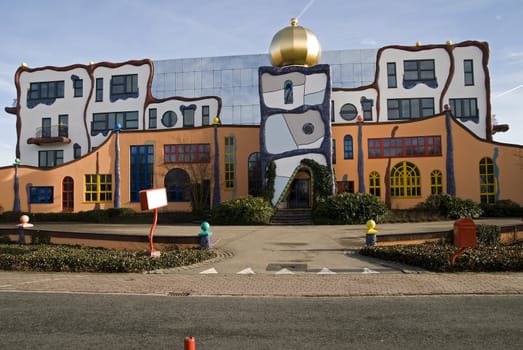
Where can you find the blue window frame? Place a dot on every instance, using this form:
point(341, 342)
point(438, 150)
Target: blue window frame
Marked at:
point(45, 92)
point(348, 147)
point(124, 86)
point(41, 194)
point(142, 164)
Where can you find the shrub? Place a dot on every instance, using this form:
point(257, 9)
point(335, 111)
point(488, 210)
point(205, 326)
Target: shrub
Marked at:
point(322, 180)
point(502, 208)
point(63, 258)
point(488, 234)
point(349, 209)
point(436, 257)
point(243, 211)
point(451, 207)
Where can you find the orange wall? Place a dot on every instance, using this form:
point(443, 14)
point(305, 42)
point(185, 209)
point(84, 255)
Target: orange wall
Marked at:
point(468, 151)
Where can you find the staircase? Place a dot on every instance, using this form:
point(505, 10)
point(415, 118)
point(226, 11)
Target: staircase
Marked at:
point(292, 217)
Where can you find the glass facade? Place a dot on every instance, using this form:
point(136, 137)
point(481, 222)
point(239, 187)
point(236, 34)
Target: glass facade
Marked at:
point(235, 79)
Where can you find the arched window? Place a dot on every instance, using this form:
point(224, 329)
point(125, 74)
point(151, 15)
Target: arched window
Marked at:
point(436, 182)
point(255, 174)
point(348, 147)
point(68, 194)
point(374, 184)
point(288, 93)
point(178, 185)
point(405, 181)
point(487, 181)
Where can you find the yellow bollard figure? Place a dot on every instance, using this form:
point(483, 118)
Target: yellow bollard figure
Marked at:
point(370, 237)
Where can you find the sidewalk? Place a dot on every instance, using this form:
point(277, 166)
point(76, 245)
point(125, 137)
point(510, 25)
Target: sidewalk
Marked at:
point(275, 261)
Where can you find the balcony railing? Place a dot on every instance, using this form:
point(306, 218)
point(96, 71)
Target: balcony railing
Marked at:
point(50, 134)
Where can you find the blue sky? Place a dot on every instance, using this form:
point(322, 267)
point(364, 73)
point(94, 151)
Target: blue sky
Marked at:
point(65, 32)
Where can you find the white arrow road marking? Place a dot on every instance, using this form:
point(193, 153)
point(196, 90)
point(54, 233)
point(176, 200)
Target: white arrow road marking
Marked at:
point(247, 271)
point(326, 271)
point(284, 272)
point(209, 271)
point(366, 270)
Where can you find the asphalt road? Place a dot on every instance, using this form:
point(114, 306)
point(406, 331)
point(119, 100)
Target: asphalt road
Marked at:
point(102, 321)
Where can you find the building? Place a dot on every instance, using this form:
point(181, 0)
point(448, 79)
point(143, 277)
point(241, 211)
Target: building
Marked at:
point(401, 123)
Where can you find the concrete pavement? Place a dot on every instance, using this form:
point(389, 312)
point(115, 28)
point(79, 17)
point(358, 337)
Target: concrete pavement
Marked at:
point(275, 261)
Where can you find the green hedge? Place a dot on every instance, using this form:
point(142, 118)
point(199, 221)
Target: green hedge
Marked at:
point(436, 256)
point(63, 258)
point(502, 208)
point(243, 211)
point(349, 209)
point(451, 207)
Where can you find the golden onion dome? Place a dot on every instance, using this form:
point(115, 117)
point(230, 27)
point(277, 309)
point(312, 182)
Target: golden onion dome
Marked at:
point(295, 46)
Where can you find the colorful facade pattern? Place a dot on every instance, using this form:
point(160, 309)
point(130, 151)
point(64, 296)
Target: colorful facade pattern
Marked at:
point(92, 136)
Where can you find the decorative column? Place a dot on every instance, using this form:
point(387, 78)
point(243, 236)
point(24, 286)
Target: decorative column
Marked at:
point(16, 202)
point(117, 166)
point(216, 186)
point(361, 177)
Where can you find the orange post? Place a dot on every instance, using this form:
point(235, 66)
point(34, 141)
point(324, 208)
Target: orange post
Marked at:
point(189, 343)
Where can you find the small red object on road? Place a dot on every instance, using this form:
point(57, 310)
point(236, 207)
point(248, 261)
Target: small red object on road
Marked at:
point(189, 343)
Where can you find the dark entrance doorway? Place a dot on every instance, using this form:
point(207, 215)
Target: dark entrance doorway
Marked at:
point(299, 192)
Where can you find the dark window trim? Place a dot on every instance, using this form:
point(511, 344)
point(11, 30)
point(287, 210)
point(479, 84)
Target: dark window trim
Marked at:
point(416, 146)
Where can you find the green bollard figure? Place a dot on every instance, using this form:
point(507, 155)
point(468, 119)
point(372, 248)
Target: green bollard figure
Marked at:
point(370, 237)
point(205, 235)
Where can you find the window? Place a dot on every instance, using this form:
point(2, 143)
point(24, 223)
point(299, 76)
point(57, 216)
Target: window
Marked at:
point(374, 184)
point(63, 125)
point(46, 91)
point(78, 86)
point(348, 147)
point(230, 150)
point(366, 105)
point(255, 174)
point(405, 181)
point(46, 127)
point(99, 90)
point(169, 119)
point(41, 194)
point(187, 153)
point(417, 146)
point(152, 118)
point(124, 86)
point(308, 128)
point(142, 164)
point(468, 68)
point(77, 151)
point(391, 75)
point(205, 115)
point(333, 151)
point(345, 186)
point(68, 194)
point(464, 108)
point(188, 115)
point(348, 111)
point(436, 182)
point(98, 188)
point(487, 181)
point(103, 122)
point(410, 108)
point(178, 185)
point(419, 70)
point(288, 92)
point(49, 159)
